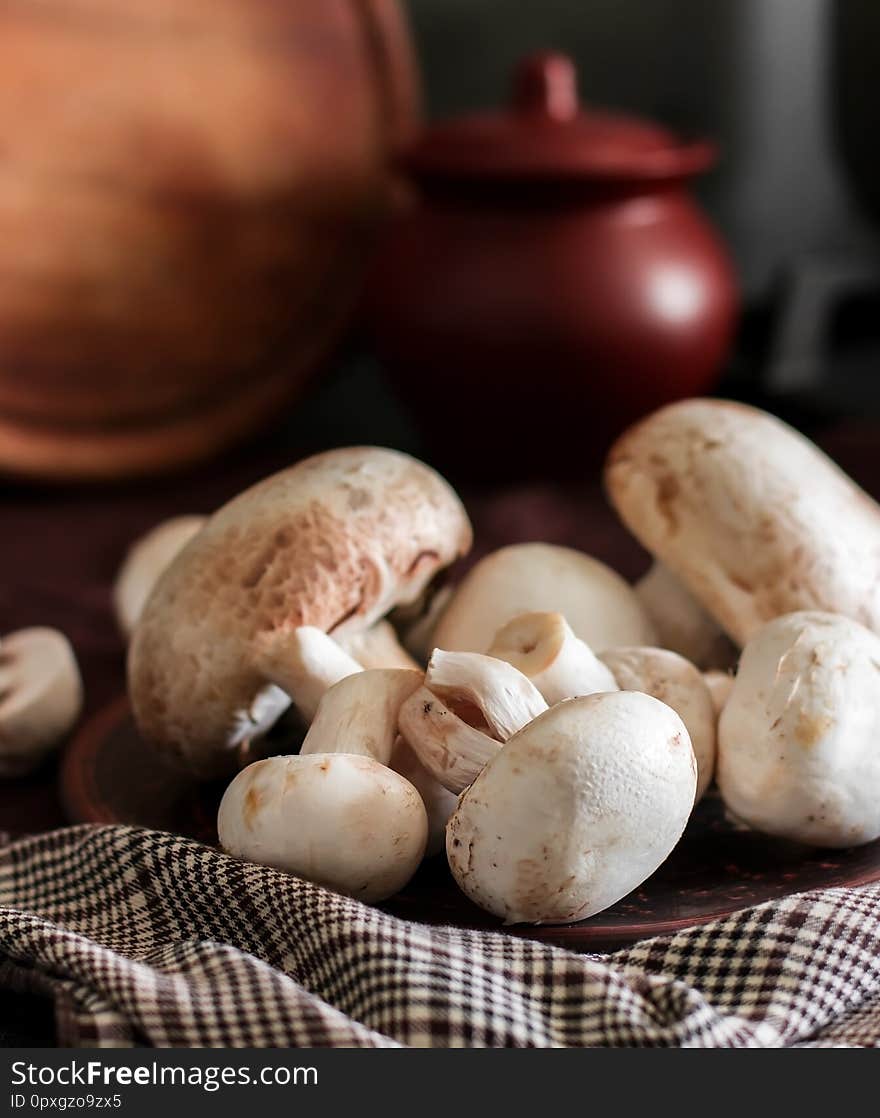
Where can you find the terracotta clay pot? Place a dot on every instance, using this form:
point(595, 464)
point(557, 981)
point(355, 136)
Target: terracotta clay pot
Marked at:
point(188, 193)
point(553, 281)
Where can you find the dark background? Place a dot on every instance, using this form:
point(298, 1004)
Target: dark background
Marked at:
point(787, 87)
point(789, 90)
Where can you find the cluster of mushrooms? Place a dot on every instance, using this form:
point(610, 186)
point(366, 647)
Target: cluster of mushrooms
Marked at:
point(547, 724)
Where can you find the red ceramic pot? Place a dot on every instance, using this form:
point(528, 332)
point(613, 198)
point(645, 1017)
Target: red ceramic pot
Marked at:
point(553, 281)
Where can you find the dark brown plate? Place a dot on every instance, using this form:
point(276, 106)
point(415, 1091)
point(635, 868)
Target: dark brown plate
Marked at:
point(110, 776)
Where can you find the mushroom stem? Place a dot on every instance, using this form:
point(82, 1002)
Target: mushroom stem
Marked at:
point(359, 713)
point(681, 622)
point(453, 752)
point(506, 698)
point(720, 685)
point(304, 662)
point(439, 802)
point(417, 625)
point(376, 647)
point(561, 665)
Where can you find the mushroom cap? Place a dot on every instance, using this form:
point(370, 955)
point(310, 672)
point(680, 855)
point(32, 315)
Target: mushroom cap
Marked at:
point(333, 542)
point(597, 603)
point(748, 514)
point(576, 810)
point(339, 820)
point(145, 561)
point(675, 681)
point(41, 696)
point(798, 753)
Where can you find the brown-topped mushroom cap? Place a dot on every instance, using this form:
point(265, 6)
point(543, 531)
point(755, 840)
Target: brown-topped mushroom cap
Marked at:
point(334, 542)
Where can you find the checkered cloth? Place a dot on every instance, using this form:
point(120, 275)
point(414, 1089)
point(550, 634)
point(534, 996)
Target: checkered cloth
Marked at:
point(146, 938)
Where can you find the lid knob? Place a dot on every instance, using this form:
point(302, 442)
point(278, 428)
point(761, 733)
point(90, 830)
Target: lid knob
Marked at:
point(545, 84)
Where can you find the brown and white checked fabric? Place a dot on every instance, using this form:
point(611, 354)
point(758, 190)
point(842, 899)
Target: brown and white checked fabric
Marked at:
point(146, 938)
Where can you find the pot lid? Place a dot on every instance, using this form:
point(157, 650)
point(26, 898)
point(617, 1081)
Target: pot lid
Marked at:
point(545, 133)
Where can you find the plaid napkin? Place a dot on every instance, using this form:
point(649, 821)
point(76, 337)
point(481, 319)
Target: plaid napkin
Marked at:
point(146, 938)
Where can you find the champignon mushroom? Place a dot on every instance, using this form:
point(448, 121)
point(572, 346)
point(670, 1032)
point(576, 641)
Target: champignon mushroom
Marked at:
point(343, 821)
point(681, 622)
point(543, 647)
point(576, 810)
point(748, 514)
point(598, 604)
point(359, 714)
point(145, 561)
point(41, 696)
point(332, 543)
point(676, 682)
point(798, 752)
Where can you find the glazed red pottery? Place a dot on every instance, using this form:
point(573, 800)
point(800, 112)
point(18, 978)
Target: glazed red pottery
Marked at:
point(552, 281)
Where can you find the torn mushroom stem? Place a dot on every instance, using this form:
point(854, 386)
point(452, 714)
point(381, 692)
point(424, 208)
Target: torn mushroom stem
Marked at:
point(453, 752)
point(506, 698)
point(304, 662)
point(359, 713)
point(561, 665)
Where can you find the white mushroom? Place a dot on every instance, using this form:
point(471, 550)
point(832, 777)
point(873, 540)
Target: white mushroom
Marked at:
point(333, 543)
point(439, 802)
point(450, 749)
point(720, 686)
point(798, 752)
point(676, 682)
point(41, 696)
point(576, 810)
point(343, 821)
point(376, 647)
point(147, 558)
point(601, 608)
point(681, 622)
point(543, 647)
point(359, 714)
point(505, 698)
point(748, 514)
